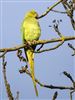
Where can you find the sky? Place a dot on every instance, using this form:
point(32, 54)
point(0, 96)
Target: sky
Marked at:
point(48, 65)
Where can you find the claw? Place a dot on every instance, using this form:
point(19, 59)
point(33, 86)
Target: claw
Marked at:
point(62, 38)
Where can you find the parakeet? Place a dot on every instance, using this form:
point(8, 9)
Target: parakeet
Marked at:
point(31, 31)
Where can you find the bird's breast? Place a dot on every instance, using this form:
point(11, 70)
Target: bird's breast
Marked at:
point(32, 30)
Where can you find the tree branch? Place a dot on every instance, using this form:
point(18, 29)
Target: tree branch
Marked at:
point(39, 42)
point(70, 77)
point(3, 53)
point(19, 55)
point(69, 7)
point(55, 47)
point(71, 94)
point(73, 82)
point(17, 96)
point(24, 70)
point(55, 95)
point(7, 85)
point(62, 12)
point(71, 46)
point(49, 9)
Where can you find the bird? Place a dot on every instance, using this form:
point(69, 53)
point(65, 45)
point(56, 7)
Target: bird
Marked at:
point(31, 31)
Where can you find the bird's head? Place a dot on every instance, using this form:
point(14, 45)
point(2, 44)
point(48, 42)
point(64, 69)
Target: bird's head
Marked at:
point(31, 13)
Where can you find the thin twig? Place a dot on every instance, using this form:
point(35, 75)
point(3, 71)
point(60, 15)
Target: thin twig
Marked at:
point(40, 47)
point(49, 9)
point(71, 46)
point(3, 53)
point(62, 12)
point(17, 96)
point(73, 23)
point(69, 11)
point(7, 85)
point(55, 95)
point(70, 77)
point(71, 94)
point(24, 70)
point(55, 47)
point(19, 55)
point(56, 28)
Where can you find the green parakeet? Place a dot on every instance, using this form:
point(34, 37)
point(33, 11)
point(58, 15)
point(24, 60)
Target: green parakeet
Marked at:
point(31, 31)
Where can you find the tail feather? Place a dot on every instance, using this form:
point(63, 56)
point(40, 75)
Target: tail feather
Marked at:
point(30, 56)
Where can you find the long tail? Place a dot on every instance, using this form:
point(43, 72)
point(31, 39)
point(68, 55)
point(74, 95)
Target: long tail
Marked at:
point(30, 56)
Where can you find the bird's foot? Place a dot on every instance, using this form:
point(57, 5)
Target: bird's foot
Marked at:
point(62, 38)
